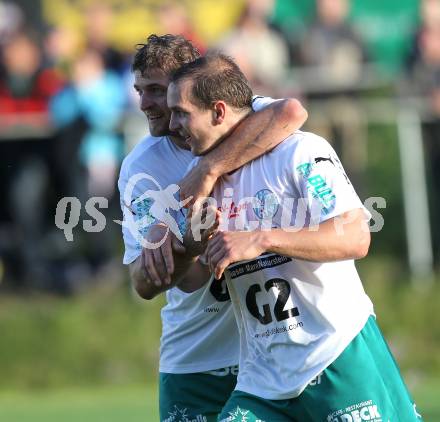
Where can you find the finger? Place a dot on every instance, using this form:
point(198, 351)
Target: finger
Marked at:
point(189, 214)
point(167, 254)
point(160, 266)
point(151, 269)
point(182, 191)
point(144, 267)
point(221, 266)
point(186, 199)
point(213, 243)
point(213, 249)
point(163, 268)
point(215, 258)
point(177, 246)
point(209, 232)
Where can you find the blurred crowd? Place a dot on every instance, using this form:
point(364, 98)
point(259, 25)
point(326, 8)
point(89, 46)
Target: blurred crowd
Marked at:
point(67, 107)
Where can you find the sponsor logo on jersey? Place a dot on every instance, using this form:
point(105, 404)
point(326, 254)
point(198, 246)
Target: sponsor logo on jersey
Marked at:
point(363, 411)
point(261, 263)
point(234, 210)
point(317, 185)
point(321, 159)
point(140, 209)
point(280, 330)
point(305, 169)
point(266, 204)
point(153, 205)
point(211, 310)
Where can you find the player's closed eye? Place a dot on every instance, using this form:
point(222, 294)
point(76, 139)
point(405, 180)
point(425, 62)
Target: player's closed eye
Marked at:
point(181, 113)
point(157, 90)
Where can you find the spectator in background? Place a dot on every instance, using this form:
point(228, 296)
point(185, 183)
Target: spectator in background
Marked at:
point(61, 46)
point(173, 19)
point(26, 88)
point(98, 26)
point(332, 46)
point(88, 113)
point(334, 56)
point(430, 14)
point(424, 82)
point(25, 85)
point(97, 96)
point(11, 18)
point(259, 50)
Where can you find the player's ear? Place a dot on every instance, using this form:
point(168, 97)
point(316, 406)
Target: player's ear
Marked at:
point(218, 112)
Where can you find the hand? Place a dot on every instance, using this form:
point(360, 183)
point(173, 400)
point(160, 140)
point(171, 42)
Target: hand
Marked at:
point(201, 225)
point(159, 262)
point(225, 248)
point(198, 183)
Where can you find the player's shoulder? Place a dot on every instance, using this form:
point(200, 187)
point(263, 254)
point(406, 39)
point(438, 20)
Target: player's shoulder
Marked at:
point(139, 151)
point(301, 142)
point(259, 102)
point(142, 155)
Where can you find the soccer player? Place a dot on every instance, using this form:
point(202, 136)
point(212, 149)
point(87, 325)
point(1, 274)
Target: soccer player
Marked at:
point(310, 348)
point(199, 343)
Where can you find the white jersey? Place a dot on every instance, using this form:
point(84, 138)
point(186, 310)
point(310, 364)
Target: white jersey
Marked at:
point(295, 317)
point(199, 332)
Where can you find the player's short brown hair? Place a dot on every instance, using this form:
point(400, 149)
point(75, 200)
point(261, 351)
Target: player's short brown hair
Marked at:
point(216, 77)
point(164, 52)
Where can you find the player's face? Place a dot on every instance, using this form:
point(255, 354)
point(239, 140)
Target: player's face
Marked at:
point(152, 90)
point(193, 124)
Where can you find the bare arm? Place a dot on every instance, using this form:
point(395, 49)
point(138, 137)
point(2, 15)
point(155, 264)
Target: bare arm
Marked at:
point(172, 264)
point(189, 276)
point(343, 237)
point(258, 133)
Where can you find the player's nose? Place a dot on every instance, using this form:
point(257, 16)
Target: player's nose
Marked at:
point(174, 123)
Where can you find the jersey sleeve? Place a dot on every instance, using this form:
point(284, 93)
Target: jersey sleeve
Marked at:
point(259, 102)
point(321, 181)
point(135, 212)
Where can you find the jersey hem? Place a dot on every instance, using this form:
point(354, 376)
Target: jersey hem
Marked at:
point(189, 369)
point(296, 392)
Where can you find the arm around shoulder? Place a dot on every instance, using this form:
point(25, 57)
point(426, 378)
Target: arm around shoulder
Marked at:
point(292, 112)
point(344, 237)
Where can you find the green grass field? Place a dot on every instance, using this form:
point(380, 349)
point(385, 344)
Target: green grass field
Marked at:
point(129, 404)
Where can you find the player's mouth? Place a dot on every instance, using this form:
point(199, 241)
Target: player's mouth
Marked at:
point(154, 117)
point(186, 137)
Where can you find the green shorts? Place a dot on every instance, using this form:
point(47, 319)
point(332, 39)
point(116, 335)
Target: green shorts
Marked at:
point(197, 397)
point(362, 384)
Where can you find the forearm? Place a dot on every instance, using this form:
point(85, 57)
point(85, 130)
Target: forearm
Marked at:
point(144, 287)
point(189, 275)
point(328, 243)
point(195, 278)
point(184, 275)
point(258, 133)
